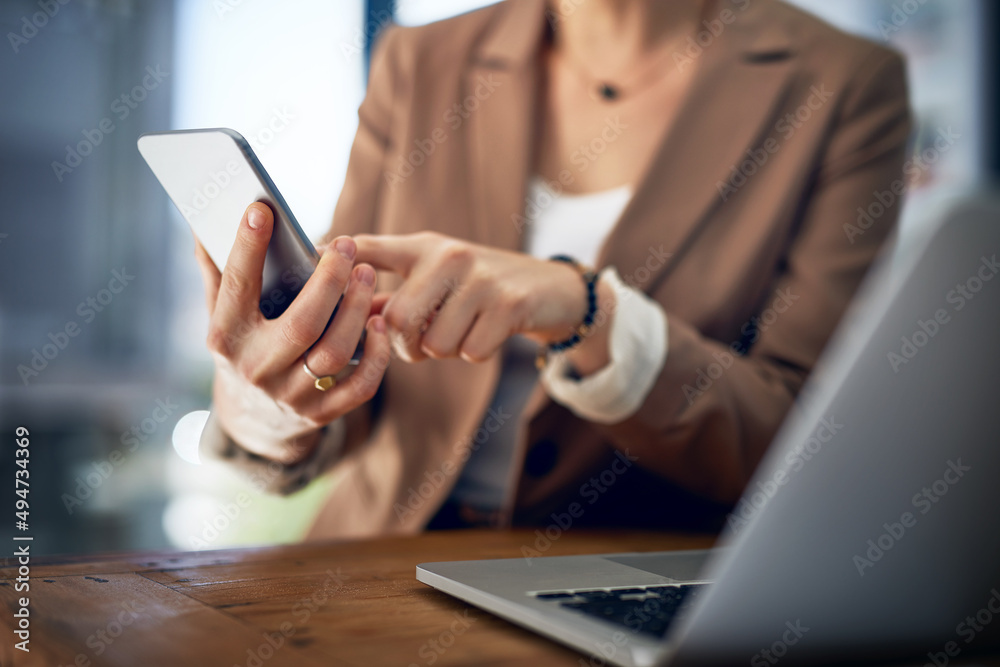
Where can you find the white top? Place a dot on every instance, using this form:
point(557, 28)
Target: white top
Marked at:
point(569, 224)
point(574, 225)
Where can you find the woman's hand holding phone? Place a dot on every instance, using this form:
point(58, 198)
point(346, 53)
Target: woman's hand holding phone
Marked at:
point(263, 398)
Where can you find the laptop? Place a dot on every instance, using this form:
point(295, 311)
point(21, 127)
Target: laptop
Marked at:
point(869, 531)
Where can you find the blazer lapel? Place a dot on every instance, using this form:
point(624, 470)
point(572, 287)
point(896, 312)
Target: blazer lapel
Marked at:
point(734, 95)
point(503, 78)
point(729, 109)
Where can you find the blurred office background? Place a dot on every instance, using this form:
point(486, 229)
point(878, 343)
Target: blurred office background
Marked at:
point(114, 408)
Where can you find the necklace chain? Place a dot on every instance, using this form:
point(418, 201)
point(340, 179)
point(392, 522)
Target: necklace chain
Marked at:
point(604, 90)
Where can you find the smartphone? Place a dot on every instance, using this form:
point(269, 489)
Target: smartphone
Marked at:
point(212, 175)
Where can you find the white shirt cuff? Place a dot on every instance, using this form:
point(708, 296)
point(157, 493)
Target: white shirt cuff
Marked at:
point(638, 342)
point(216, 445)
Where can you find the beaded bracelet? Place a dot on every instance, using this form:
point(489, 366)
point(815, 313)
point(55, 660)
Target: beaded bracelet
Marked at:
point(590, 280)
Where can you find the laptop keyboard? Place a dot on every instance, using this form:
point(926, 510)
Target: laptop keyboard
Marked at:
point(645, 609)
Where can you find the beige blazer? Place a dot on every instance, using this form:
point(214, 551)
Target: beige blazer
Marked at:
point(753, 227)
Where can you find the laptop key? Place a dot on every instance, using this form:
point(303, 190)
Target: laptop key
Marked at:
point(595, 595)
point(649, 615)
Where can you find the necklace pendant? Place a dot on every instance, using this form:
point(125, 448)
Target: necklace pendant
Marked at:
point(607, 92)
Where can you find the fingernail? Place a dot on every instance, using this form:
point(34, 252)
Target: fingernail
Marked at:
point(378, 324)
point(346, 247)
point(255, 218)
point(366, 275)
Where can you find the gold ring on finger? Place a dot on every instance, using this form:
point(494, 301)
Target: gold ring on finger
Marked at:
point(322, 382)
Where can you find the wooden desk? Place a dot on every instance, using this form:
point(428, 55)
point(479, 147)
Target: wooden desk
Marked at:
point(355, 603)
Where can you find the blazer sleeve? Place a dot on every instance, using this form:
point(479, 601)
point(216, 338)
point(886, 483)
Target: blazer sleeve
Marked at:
point(710, 441)
point(357, 205)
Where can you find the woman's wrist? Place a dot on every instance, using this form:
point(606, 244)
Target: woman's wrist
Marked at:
point(295, 450)
point(636, 329)
point(594, 351)
point(584, 338)
point(255, 422)
point(566, 295)
point(288, 451)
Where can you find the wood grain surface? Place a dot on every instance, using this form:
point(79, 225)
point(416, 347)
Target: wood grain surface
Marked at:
point(349, 603)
